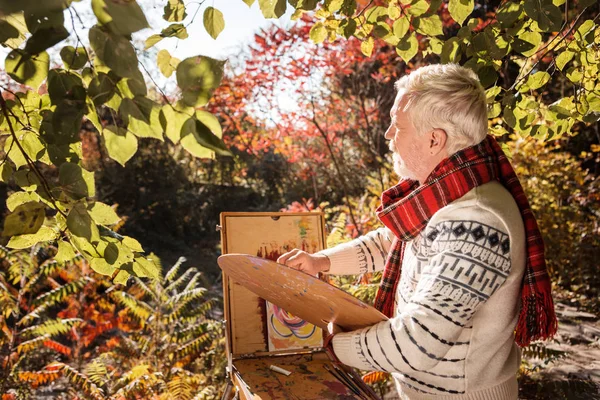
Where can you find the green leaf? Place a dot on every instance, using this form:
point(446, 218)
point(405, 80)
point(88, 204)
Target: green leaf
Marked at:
point(27, 180)
point(26, 69)
point(25, 219)
point(200, 141)
point(527, 43)
point(171, 121)
point(64, 85)
point(142, 117)
point(213, 21)
point(175, 30)
point(249, 2)
point(115, 51)
point(65, 252)
point(17, 21)
point(80, 223)
point(121, 278)
point(66, 121)
point(118, 254)
point(574, 74)
point(152, 40)
point(101, 88)
point(509, 13)
point(102, 267)
point(367, 46)
point(401, 26)
point(75, 181)
point(133, 244)
point(120, 144)
point(174, 11)
point(73, 58)
point(210, 121)
point(198, 77)
point(272, 8)
point(460, 9)
point(431, 25)
point(121, 17)
point(12, 6)
point(166, 63)
point(418, 7)
point(537, 80)
point(31, 143)
point(585, 29)
point(546, 14)
point(450, 50)
point(6, 171)
point(40, 20)
point(408, 47)
point(145, 268)
point(7, 31)
point(318, 32)
point(45, 38)
point(44, 234)
point(103, 214)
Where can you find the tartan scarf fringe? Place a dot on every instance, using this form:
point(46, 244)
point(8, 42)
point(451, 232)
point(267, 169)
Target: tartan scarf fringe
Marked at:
point(407, 208)
point(537, 318)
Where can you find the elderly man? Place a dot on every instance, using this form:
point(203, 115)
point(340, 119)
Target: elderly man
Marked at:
point(464, 271)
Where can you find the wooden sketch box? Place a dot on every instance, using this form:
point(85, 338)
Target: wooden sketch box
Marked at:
point(265, 335)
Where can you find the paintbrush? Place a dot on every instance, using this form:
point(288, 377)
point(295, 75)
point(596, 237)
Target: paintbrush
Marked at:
point(369, 392)
point(344, 381)
point(358, 385)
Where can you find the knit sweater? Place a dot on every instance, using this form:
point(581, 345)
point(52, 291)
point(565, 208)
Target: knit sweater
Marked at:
point(452, 335)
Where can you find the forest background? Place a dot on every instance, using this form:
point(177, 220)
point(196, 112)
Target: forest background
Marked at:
point(118, 158)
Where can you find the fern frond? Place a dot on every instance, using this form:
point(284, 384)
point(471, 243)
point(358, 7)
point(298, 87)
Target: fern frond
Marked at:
point(135, 307)
point(191, 332)
point(179, 281)
point(375, 377)
point(35, 314)
point(181, 299)
point(145, 289)
point(51, 327)
point(179, 388)
point(174, 269)
point(38, 378)
point(59, 348)
point(57, 295)
point(337, 234)
point(196, 346)
point(96, 372)
point(32, 344)
point(207, 393)
point(181, 306)
point(192, 283)
point(79, 380)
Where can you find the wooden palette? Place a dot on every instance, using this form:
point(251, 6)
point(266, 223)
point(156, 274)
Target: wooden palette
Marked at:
point(299, 293)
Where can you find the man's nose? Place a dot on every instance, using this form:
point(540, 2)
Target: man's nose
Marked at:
point(389, 133)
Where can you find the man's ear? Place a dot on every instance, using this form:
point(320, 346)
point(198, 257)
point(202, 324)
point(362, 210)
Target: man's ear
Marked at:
point(437, 141)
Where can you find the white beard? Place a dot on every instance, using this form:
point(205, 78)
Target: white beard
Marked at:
point(400, 168)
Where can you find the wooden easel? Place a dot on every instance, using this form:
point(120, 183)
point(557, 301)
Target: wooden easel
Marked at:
point(248, 280)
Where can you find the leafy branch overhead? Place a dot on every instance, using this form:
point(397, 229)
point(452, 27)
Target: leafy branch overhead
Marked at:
point(519, 49)
point(41, 126)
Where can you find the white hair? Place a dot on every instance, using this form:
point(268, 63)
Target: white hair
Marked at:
point(448, 97)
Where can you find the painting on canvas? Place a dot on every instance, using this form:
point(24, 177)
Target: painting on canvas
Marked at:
point(270, 236)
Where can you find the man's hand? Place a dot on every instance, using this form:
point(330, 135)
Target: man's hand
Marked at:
point(310, 263)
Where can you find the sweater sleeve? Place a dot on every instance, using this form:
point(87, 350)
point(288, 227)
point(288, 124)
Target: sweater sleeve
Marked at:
point(367, 253)
point(467, 262)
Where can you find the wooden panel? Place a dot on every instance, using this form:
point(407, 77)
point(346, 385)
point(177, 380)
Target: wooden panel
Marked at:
point(247, 314)
point(244, 310)
point(308, 379)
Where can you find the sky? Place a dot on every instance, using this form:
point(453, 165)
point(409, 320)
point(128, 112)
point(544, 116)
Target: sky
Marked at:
point(241, 22)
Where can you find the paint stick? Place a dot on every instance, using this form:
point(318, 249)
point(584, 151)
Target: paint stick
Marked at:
point(280, 370)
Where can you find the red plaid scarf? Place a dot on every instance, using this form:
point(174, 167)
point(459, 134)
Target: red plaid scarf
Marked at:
point(407, 208)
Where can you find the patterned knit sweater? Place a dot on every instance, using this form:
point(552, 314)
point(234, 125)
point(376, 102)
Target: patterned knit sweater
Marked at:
point(452, 336)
